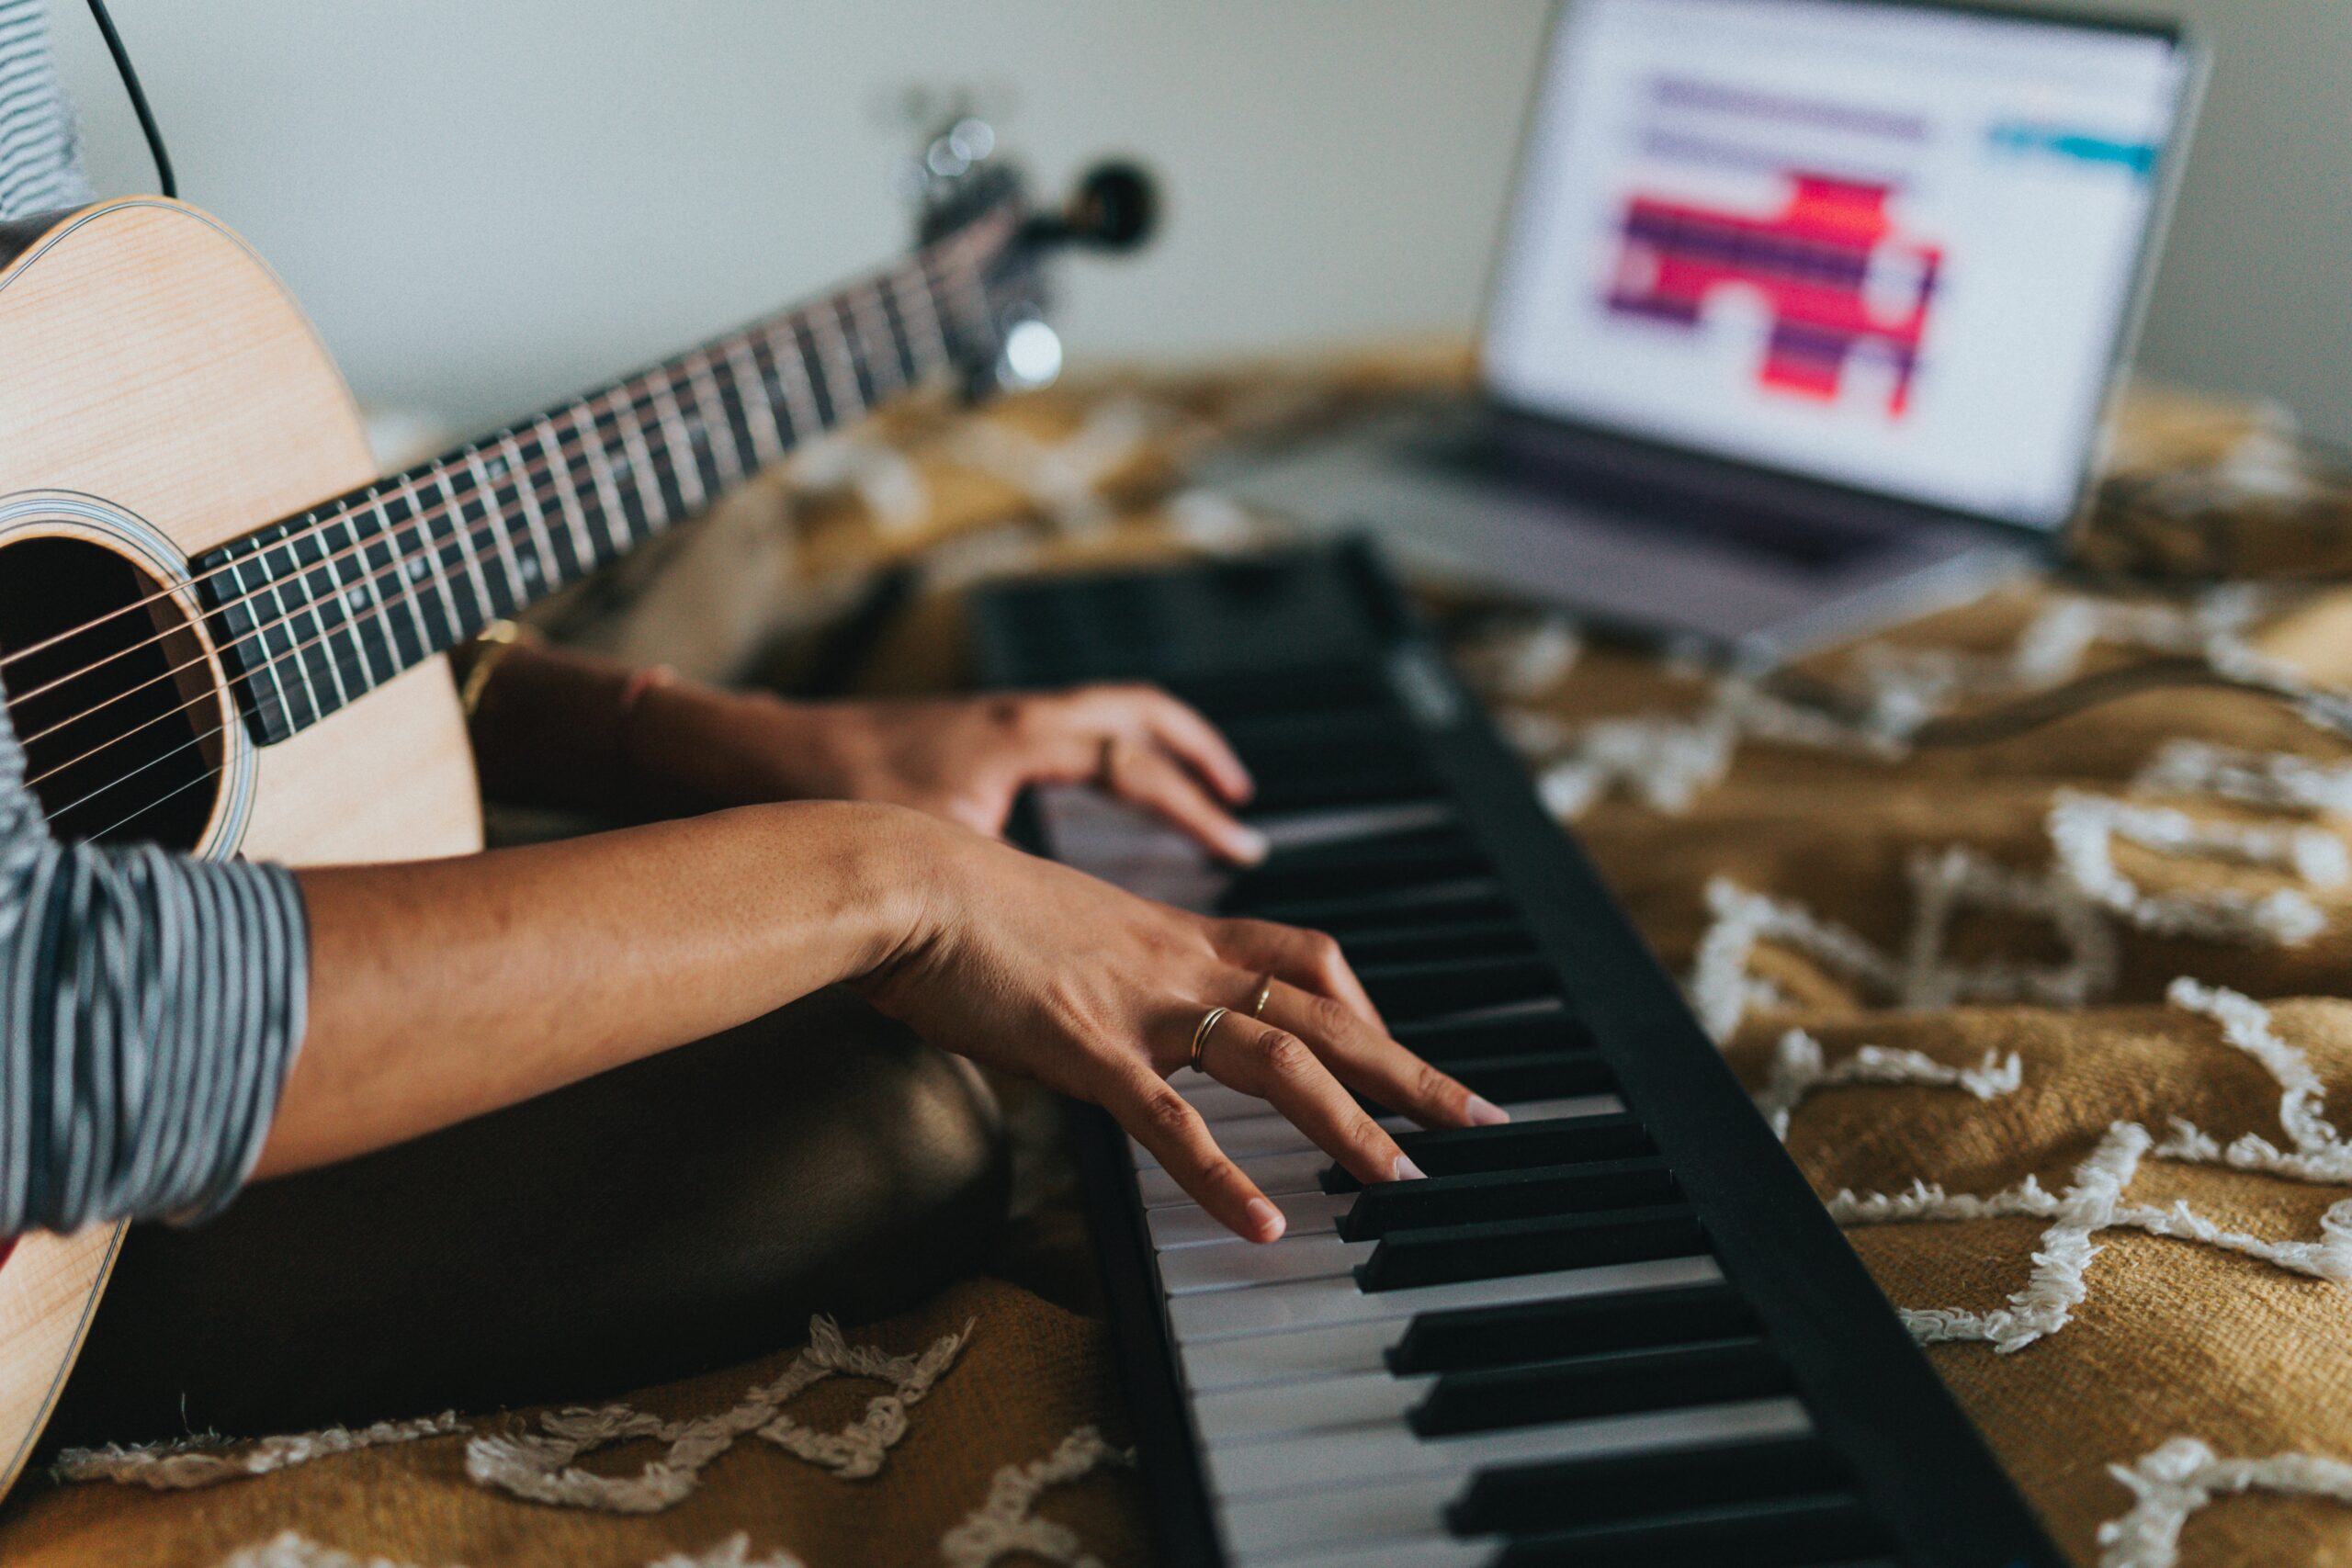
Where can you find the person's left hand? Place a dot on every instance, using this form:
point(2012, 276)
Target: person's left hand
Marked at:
point(965, 760)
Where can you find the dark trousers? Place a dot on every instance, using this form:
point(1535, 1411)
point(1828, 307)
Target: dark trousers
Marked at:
point(666, 1218)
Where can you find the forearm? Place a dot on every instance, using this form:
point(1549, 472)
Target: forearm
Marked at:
point(558, 727)
point(444, 989)
point(549, 727)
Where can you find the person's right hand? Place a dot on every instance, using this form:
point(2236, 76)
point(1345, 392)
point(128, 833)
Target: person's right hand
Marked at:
point(1021, 964)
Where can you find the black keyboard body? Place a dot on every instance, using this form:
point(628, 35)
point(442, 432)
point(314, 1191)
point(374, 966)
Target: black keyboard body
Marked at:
point(1495, 949)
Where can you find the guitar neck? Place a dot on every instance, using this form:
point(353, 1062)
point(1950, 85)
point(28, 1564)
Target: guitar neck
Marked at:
point(316, 610)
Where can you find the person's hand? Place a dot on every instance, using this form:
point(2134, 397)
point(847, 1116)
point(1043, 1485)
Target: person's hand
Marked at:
point(964, 760)
point(1023, 965)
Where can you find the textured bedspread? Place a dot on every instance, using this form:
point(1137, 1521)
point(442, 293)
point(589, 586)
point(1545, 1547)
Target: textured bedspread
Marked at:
point(2046, 1005)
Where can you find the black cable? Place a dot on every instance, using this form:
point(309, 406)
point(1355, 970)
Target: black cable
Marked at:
point(164, 179)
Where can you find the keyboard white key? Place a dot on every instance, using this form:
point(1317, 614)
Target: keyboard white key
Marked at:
point(1185, 1270)
point(1276, 1176)
point(1270, 1134)
point(1307, 1408)
point(1403, 1551)
point(1268, 1528)
point(1292, 1356)
point(1272, 1465)
point(1305, 1213)
point(1313, 1304)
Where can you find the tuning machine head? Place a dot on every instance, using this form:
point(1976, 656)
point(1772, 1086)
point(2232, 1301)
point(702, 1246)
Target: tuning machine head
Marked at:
point(1113, 207)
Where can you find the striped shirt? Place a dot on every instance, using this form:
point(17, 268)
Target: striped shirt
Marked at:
point(150, 1003)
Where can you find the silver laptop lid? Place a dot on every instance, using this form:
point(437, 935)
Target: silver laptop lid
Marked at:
point(1896, 247)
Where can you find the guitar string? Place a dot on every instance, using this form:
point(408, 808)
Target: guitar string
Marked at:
point(582, 419)
point(949, 259)
point(940, 257)
point(272, 664)
point(432, 544)
point(582, 414)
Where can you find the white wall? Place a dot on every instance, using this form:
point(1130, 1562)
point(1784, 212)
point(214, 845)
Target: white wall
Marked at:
point(487, 203)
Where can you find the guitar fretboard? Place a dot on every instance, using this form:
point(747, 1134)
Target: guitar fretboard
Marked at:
point(313, 612)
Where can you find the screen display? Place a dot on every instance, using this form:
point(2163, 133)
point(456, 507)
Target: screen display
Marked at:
point(1885, 246)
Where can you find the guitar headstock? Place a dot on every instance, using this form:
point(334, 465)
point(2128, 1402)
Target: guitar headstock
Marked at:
point(968, 194)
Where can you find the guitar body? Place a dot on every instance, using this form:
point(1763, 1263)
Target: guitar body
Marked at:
point(163, 394)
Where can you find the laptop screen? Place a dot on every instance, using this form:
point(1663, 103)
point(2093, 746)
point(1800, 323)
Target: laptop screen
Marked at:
point(1889, 246)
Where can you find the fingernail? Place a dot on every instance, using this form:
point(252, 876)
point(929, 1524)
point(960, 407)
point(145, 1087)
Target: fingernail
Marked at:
point(1484, 1112)
point(1406, 1170)
point(1249, 844)
point(1266, 1220)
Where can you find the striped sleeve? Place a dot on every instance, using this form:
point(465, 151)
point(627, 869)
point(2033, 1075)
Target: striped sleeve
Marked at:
point(40, 162)
point(150, 1008)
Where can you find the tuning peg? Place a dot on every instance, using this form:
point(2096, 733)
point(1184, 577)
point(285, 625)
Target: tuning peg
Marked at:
point(1113, 208)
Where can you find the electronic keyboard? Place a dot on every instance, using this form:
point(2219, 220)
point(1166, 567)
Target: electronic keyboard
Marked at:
point(1620, 1329)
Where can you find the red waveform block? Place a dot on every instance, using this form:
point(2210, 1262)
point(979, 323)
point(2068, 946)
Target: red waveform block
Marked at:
point(1827, 265)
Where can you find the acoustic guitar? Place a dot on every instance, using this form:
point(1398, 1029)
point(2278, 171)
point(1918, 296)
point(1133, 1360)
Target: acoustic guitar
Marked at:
point(221, 631)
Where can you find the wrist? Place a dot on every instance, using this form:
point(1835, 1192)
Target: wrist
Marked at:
point(887, 871)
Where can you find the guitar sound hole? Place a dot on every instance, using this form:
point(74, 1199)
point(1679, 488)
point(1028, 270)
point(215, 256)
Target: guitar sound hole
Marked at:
point(110, 693)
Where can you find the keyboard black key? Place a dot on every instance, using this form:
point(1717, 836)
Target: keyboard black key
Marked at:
point(1817, 1531)
point(1290, 690)
point(1394, 1206)
point(1499, 937)
point(1471, 897)
point(1448, 1255)
point(1606, 1382)
point(1512, 1080)
point(1526, 1499)
point(1527, 1033)
point(1466, 1338)
point(1516, 1145)
point(1319, 777)
point(1404, 992)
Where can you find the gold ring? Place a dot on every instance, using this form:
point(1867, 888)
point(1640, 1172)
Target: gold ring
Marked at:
point(1200, 1036)
point(1266, 995)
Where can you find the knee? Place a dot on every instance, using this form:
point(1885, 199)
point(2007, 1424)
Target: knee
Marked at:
point(838, 1165)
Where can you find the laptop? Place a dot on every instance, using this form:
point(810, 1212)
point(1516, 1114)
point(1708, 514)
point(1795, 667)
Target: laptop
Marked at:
point(1805, 318)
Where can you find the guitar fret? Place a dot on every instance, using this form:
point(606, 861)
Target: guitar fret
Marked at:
point(750, 380)
point(874, 327)
point(348, 563)
point(789, 365)
point(708, 395)
point(388, 541)
point(567, 494)
point(829, 352)
point(680, 441)
point(309, 556)
point(926, 315)
point(502, 539)
point(593, 452)
point(541, 561)
point(472, 585)
point(424, 561)
point(640, 471)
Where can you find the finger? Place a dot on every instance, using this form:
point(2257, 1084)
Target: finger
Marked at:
point(1151, 715)
point(1281, 1068)
point(1366, 1060)
point(1151, 780)
point(1308, 960)
point(1162, 1120)
point(1182, 728)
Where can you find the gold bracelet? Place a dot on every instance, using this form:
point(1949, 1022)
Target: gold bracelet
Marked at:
point(503, 637)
